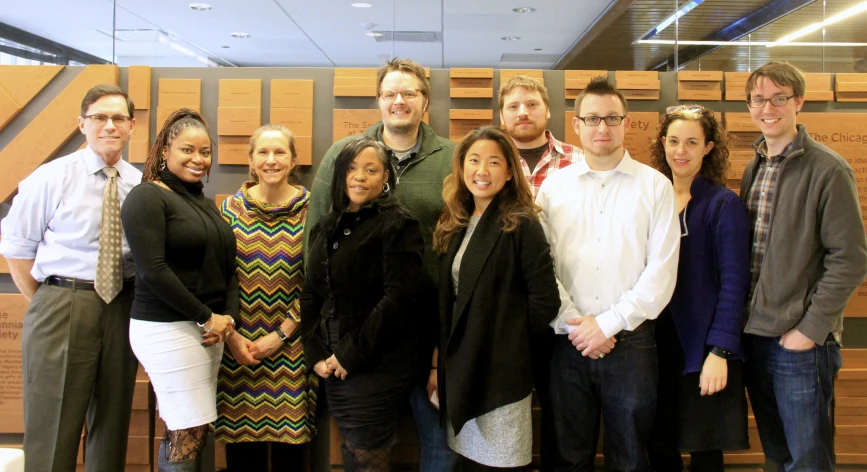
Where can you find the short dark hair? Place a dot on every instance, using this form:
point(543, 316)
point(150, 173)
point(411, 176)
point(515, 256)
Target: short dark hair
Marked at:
point(105, 90)
point(407, 66)
point(600, 86)
point(782, 74)
point(339, 199)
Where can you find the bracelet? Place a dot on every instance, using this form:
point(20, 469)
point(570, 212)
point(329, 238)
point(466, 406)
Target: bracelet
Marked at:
point(433, 368)
point(202, 325)
point(720, 352)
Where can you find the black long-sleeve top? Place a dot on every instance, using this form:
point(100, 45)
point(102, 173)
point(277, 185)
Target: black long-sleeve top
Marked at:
point(184, 256)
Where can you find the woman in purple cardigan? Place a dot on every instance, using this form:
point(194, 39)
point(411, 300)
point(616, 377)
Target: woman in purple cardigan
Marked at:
point(702, 404)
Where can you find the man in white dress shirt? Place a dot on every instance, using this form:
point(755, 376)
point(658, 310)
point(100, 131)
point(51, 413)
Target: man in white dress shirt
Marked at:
point(614, 235)
point(77, 362)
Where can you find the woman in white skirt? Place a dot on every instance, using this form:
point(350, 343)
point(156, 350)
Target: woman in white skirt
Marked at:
point(186, 295)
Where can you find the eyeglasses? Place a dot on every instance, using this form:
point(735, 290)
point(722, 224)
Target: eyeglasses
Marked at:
point(675, 109)
point(777, 101)
point(100, 119)
point(595, 120)
point(407, 94)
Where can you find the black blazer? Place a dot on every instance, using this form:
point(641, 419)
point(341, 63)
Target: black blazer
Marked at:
point(363, 274)
point(506, 291)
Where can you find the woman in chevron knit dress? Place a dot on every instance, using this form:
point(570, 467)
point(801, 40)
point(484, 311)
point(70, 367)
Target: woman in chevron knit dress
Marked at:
point(267, 400)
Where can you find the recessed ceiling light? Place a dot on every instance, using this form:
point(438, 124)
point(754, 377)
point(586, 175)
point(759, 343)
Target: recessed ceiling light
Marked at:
point(200, 7)
point(240, 35)
point(524, 10)
point(374, 34)
point(361, 5)
point(510, 38)
point(226, 47)
point(537, 49)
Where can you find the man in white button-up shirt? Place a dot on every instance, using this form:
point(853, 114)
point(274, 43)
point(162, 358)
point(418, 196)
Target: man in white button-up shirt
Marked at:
point(614, 235)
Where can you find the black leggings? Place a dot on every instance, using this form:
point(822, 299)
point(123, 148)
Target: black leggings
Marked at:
point(253, 457)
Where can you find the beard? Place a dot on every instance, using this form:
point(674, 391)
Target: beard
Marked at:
point(525, 134)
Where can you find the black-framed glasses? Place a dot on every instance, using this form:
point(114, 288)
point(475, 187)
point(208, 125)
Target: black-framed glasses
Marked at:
point(777, 101)
point(685, 109)
point(407, 94)
point(100, 119)
point(595, 120)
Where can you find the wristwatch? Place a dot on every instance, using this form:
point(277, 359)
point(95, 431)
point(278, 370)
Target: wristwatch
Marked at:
point(720, 352)
point(281, 335)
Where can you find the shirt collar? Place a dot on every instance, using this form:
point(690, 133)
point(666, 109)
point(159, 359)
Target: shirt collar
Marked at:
point(626, 165)
point(94, 164)
point(554, 144)
point(412, 151)
point(797, 144)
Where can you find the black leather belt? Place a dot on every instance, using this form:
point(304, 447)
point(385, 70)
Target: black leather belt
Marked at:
point(644, 326)
point(79, 284)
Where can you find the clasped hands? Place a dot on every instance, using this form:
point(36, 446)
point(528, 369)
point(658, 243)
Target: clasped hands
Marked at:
point(330, 366)
point(218, 328)
point(588, 337)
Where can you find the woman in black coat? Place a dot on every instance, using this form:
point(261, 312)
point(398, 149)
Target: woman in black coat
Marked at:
point(497, 287)
point(358, 303)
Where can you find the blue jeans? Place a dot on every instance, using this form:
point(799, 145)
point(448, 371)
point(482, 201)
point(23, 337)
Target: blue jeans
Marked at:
point(791, 393)
point(621, 387)
point(435, 454)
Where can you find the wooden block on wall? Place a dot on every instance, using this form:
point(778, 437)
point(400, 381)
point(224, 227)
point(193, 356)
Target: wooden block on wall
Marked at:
point(739, 121)
point(298, 120)
point(471, 92)
point(140, 395)
point(698, 85)
point(12, 309)
point(819, 96)
point(368, 91)
point(232, 150)
point(355, 82)
point(4, 266)
point(291, 93)
point(139, 423)
point(218, 200)
point(852, 96)
point(471, 73)
point(304, 149)
point(471, 83)
point(818, 81)
point(640, 94)
point(586, 75)
point(137, 451)
point(180, 93)
point(352, 122)
point(699, 95)
point(238, 121)
point(852, 86)
point(142, 128)
point(22, 83)
point(462, 114)
point(735, 95)
point(240, 93)
point(736, 80)
point(639, 75)
point(638, 84)
point(700, 75)
point(138, 151)
point(140, 86)
point(507, 74)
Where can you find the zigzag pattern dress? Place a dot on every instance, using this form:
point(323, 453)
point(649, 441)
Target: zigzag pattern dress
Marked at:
point(276, 400)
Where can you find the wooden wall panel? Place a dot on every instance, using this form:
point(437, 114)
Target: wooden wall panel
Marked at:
point(19, 84)
point(12, 309)
point(50, 130)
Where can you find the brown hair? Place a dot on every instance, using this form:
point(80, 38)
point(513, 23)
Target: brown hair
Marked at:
point(599, 86)
point(515, 199)
point(406, 66)
point(715, 163)
point(105, 90)
point(526, 82)
point(782, 74)
point(175, 123)
point(290, 138)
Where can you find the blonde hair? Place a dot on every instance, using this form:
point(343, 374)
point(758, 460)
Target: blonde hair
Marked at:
point(290, 138)
point(523, 81)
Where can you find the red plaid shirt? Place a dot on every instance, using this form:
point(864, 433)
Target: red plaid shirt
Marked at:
point(559, 155)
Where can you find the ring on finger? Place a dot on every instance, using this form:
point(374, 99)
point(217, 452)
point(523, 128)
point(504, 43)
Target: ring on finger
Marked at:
point(601, 355)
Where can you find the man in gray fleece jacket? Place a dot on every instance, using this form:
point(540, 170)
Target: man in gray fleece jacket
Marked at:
point(809, 253)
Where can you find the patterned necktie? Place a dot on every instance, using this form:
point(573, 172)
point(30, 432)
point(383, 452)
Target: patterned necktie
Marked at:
point(109, 259)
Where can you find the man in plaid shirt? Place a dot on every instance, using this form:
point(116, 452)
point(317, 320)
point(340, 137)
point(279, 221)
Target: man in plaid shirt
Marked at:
point(524, 112)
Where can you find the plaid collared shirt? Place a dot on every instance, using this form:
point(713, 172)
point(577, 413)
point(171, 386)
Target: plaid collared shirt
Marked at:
point(761, 201)
point(558, 156)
